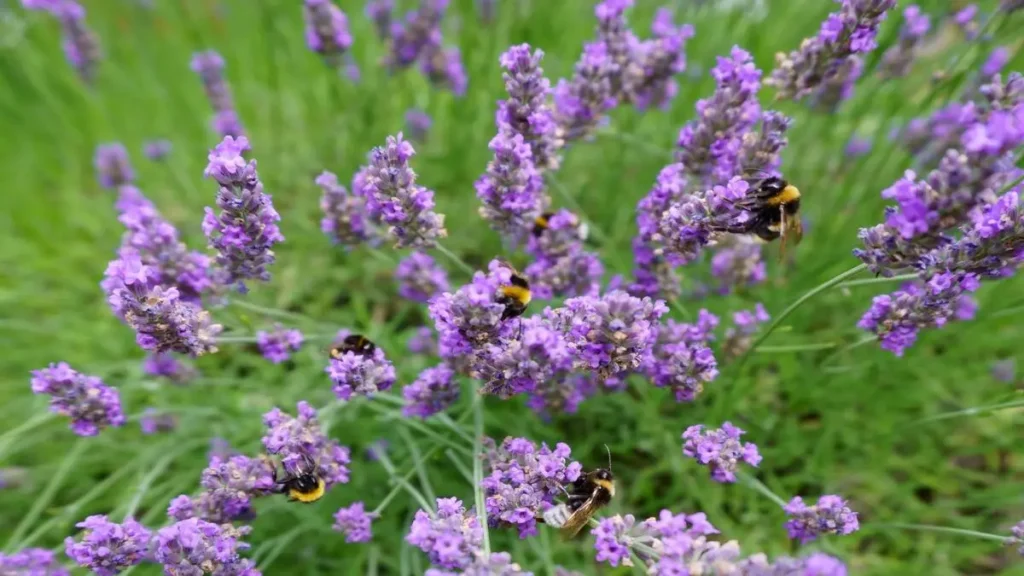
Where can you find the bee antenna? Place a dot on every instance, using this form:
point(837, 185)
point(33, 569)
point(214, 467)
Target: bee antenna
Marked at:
point(609, 457)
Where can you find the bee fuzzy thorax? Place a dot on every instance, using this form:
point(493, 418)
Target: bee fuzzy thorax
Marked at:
point(607, 485)
point(517, 293)
point(307, 494)
point(789, 194)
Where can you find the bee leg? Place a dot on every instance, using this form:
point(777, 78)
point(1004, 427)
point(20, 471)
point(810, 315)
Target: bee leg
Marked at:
point(782, 233)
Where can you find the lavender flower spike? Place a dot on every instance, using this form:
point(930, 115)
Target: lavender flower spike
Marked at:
point(1017, 538)
point(107, 548)
point(210, 67)
point(229, 483)
point(420, 278)
point(246, 228)
point(433, 391)
point(526, 112)
point(512, 190)
point(91, 404)
point(720, 450)
point(299, 439)
point(405, 206)
point(345, 220)
point(356, 374)
point(689, 224)
point(581, 103)
point(681, 361)
point(195, 546)
point(843, 34)
point(278, 344)
point(32, 562)
point(451, 538)
point(354, 522)
point(830, 515)
point(157, 150)
point(897, 60)
point(79, 43)
point(113, 168)
point(680, 539)
point(327, 31)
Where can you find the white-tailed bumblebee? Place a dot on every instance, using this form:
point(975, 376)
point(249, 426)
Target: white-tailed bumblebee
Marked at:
point(514, 296)
point(589, 493)
point(355, 343)
point(305, 485)
point(774, 208)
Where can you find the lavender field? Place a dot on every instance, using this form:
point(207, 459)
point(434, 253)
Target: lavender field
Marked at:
point(380, 287)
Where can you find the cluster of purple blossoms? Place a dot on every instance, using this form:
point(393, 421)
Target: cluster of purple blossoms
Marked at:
point(512, 190)
point(537, 354)
point(354, 522)
point(107, 548)
point(581, 103)
point(156, 242)
point(417, 124)
point(113, 168)
point(345, 218)
point(80, 45)
point(391, 191)
point(32, 562)
point(420, 277)
point(433, 391)
point(195, 546)
point(380, 12)
point(163, 321)
point(494, 564)
point(246, 229)
point(526, 112)
point(679, 540)
point(157, 150)
point(355, 374)
point(857, 146)
point(681, 360)
point(819, 60)
point(443, 67)
point(562, 393)
point(610, 334)
point(830, 515)
point(471, 316)
point(966, 20)
point(653, 275)
point(720, 449)
point(154, 421)
point(655, 62)
point(562, 265)
point(279, 344)
point(229, 485)
point(691, 223)
point(740, 336)
point(209, 66)
point(327, 31)
point(523, 481)
point(1017, 538)
point(169, 366)
point(91, 404)
point(299, 439)
point(419, 39)
point(423, 342)
point(450, 538)
point(897, 60)
point(737, 263)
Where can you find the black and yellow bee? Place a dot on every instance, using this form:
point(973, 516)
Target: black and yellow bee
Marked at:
point(514, 296)
point(305, 485)
point(542, 223)
point(774, 208)
point(355, 343)
point(589, 493)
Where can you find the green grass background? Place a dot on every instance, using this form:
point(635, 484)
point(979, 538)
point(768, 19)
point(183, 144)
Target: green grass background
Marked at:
point(825, 422)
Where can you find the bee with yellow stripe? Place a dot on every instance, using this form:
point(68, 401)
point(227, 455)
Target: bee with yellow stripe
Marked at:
point(774, 208)
point(304, 485)
point(514, 296)
point(589, 493)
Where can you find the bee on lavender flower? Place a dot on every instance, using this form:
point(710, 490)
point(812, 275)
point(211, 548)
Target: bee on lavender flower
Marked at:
point(355, 343)
point(542, 223)
point(589, 493)
point(304, 485)
point(514, 296)
point(773, 205)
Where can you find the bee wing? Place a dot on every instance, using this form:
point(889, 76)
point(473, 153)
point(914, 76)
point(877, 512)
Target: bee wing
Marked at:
point(796, 228)
point(573, 524)
point(783, 226)
point(556, 516)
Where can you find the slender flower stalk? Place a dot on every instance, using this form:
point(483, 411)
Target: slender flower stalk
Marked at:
point(80, 45)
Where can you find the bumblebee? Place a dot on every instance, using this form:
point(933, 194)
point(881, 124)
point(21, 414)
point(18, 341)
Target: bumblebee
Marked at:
point(305, 485)
point(542, 223)
point(589, 493)
point(774, 208)
point(355, 343)
point(515, 296)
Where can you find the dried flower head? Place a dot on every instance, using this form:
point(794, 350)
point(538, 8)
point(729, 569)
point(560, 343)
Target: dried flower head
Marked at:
point(91, 404)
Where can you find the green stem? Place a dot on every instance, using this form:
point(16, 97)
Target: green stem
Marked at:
point(760, 487)
point(796, 347)
point(838, 279)
point(568, 198)
point(421, 470)
point(274, 312)
point(12, 436)
point(945, 529)
point(403, 482)
point(478, 472)
point(969, 412)
point(455, 259)
point(639, 143)
point(879, 280)
point(43, 499)
point(864, 340)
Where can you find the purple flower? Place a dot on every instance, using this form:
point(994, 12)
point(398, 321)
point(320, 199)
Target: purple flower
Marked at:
point(157, 149)
point(816, 564)
point(494, 564)
point(857, 147)
point(417, 124)
point(580, 104)
point(153, 421)
point(443, 67)
point(346, 220)
point(576, 273)
point(405, 206)
point(995, 62)
point(760, 149)
point(737, 263)
point(279, 344)
point(680, 540)
point(433, 391)
point(91, 404)
point(229, 485)
point(420, 278)
point(79, 43)
point(32, 562)
point(419, 33)
point(820, 59)
point(523, 481)
point(194, 546)
point(965, 20)
point(163, 321)
point(1005, 371)
point(620, 43)
point(687, 226)
point(246, 228)
point(380, 11)
point(423, 342)
point(107, 548)
point(471, 317)
point(518, 365)
point(327, 31)
point(720, 450)
point(897, 60)
point(526, 112)
point(209, 66)
point(169, 366)
point(611, 334)
point(649, 81)
point(300, 439)
point(709, 147)
point(560, 394)
point(450, 538)
point(113, 168)
point(1016, 539)
point(354, 523)
point(512, 190)
point(681, 359)
point(354, 373)
point(830, 515)
point(739, 337)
